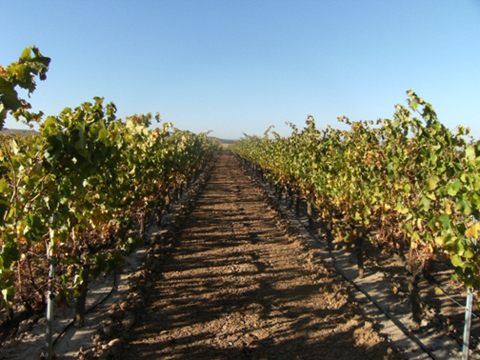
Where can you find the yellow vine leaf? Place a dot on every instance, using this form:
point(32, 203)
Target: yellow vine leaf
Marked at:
point(448, 208)
point(472, 232)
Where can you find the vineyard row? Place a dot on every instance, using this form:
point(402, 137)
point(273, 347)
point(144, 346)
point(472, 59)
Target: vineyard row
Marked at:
point(74, 194)
point(408, 184)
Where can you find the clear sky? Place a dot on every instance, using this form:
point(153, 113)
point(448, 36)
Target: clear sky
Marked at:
point(239, 66)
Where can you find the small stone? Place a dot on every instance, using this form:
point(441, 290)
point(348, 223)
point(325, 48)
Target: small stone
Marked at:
point(115, 348)
point(114, 343)
point(124, 305)
point(97, 338)
point(24, 326)
point(128, 321)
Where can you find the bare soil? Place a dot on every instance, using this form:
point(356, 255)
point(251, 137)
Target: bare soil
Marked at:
point(238, 283)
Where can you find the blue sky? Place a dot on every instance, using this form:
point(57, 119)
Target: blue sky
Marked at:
point(237, 67)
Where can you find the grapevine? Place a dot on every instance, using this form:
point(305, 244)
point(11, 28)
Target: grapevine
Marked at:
point(407, 184)
point(75, 192)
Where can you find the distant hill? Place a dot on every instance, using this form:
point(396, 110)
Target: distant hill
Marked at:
point(6, 131)
point(223, 141)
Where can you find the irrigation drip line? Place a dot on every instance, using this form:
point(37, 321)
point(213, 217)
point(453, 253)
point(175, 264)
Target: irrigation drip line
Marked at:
point(391, 317)
point(397, 322)
point(93, 307)
point(200, 179)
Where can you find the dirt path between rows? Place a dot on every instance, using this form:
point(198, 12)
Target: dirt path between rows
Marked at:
point(240, 285)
